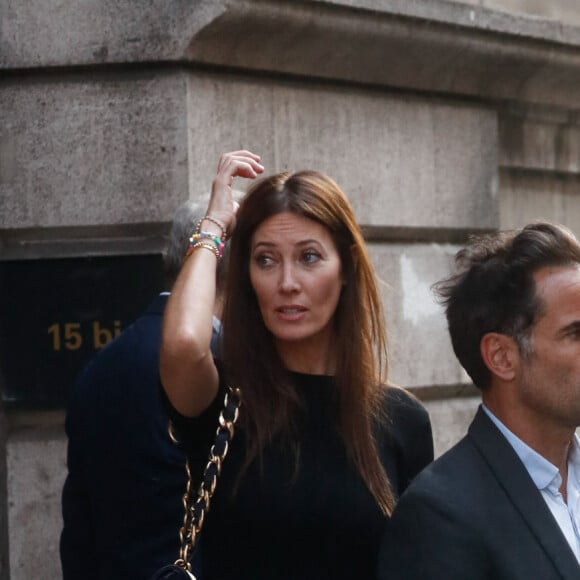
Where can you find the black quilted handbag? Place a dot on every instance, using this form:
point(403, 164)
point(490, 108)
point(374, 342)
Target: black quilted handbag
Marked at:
point(173, 572)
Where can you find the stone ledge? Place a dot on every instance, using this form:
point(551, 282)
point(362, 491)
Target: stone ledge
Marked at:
point(422, 45)
point(527, 196)
point(70, 242)
point(468, 51)
point(55, 33)
point(539, 139)
point(468, 15)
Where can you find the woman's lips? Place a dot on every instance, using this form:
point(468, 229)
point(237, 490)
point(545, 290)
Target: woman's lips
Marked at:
point(291, 313)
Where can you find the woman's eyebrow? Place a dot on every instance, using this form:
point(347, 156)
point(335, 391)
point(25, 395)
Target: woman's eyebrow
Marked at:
point(263, 243)
point(305, 242)
point(308, 241)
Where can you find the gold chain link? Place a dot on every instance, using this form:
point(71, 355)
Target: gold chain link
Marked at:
point(195, 506)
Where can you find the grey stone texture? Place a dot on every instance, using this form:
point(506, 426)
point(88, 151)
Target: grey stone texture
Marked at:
point(65, 32)
point(438, 118)
point(419, 345)
point(390, 155)
point(36, 465)
point(540, 139)
point(556, 10)
point(92, 149)
point(153, 140)
point(450, 419)
point(399, 44)
point(539, 160)
point(528, 197)
point(4, 546)
point(405, 43)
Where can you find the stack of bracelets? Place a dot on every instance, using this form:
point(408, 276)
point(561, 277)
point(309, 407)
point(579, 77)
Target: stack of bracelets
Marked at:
point(207, 240)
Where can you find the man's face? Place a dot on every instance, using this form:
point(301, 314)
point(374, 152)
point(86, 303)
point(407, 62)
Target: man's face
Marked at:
point(550, 380)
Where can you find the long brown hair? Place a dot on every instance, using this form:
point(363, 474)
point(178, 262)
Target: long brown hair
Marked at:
point(251, 359)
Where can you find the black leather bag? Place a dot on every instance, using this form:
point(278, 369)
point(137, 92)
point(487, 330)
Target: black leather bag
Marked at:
point(197, 505)
point(173, 572)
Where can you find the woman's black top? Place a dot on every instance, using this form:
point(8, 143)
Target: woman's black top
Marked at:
point(320, 522)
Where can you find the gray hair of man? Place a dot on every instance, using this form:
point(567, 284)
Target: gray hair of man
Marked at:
point(183, 224)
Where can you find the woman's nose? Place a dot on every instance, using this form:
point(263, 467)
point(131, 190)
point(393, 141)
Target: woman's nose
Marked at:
point(289, 281)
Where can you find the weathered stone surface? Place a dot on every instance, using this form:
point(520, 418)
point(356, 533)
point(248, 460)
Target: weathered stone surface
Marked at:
point(406, 43)
point(420, 348)
point(412, 44)
point(4, 529)
point(392, 156)
point(34, 33)
point(115, 150)
point(36, 461)
point(539, 139)
point(84, 150)
point(450, 419)
point(539, 165)
point(552, 21)
point(529, 196)
point(566, 11)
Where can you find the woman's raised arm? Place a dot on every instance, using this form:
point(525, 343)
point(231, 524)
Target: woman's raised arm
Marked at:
point(187, 370)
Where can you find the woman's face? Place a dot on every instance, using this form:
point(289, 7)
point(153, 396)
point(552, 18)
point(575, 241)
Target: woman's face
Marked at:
point(296, 273)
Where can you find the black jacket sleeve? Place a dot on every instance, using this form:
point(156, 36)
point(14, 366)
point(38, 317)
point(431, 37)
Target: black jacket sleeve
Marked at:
point(408, 446)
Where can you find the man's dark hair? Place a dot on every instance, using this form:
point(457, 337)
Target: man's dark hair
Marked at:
point(494, 289)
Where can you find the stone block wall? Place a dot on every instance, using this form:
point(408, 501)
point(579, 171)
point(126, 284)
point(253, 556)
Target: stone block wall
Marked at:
point(130, 125)
point(438, 118)
point(557, 10)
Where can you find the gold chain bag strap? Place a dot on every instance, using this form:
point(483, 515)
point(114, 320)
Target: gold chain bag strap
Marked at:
point(196, 505)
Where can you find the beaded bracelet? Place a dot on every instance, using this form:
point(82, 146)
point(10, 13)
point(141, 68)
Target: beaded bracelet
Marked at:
point(215, 221)
point(199, 236)
point(207, 240)
point(208, 246)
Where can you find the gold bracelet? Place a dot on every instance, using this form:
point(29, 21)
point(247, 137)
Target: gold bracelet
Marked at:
point(207, 245)
point(215, 221)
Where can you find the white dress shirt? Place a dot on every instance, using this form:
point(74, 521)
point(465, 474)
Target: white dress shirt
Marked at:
point(548, 480)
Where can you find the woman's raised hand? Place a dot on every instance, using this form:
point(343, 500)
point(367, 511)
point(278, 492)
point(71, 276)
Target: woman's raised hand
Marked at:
point(234, 164)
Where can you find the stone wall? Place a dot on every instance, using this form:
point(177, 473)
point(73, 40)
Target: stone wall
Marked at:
point(558, 10)
point(438, 118)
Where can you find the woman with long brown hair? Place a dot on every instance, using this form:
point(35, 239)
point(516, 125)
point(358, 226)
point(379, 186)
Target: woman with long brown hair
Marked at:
point(324, 446)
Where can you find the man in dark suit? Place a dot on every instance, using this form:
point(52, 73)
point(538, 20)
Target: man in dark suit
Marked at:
point(121, 500)
point(504, 503)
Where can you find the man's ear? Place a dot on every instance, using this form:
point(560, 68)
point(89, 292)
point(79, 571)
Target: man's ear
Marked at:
point(500, 354)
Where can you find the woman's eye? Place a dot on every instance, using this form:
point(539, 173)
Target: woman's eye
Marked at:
point(264, 260)
point(310, 256)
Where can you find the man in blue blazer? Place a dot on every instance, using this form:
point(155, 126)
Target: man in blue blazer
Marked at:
point(504, 503)
point(121, 500)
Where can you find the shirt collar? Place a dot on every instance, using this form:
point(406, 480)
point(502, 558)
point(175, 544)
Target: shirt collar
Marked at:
point(216, 324)
point(544, 474)
point(574, 459)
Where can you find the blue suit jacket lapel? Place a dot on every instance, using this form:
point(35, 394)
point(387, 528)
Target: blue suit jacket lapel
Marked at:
point(513, 477)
